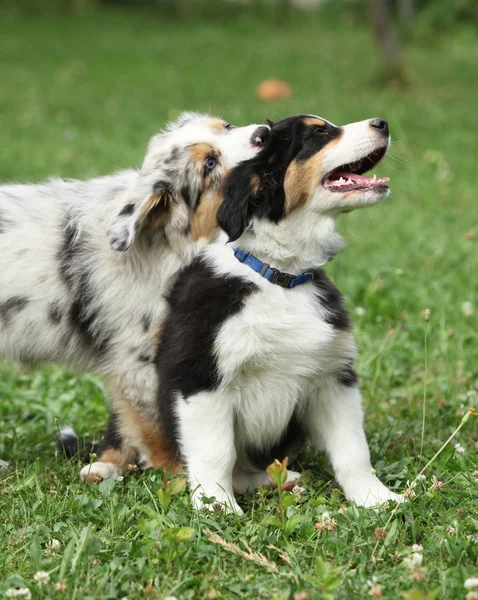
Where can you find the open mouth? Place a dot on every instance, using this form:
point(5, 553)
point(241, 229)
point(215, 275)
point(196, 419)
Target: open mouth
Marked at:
point(349, 177)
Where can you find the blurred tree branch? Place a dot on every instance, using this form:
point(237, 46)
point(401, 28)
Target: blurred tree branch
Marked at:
point(387, 40)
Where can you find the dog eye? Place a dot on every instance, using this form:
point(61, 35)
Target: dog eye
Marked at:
point(229, 127)
point(211, 163)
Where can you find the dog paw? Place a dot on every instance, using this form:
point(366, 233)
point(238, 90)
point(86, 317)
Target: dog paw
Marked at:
point(222, 503)
point(97, 471)
point(292, 479)
point(373, 495)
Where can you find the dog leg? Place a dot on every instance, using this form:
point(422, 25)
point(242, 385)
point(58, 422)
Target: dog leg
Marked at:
point(206, 435)
point(336, 424)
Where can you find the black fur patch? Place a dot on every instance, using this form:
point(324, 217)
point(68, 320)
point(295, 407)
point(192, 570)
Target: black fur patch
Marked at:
point(9, 308)
point(186, 194)
point(112, 438)
point(74, 447)
point(332, 300)
point(347, 376)
point(173, 157)
point(127, 210)
point(200, 302)
point(255, 187)
point(83, 317)
point(292, 440)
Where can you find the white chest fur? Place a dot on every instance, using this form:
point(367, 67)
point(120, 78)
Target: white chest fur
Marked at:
point(272, 353)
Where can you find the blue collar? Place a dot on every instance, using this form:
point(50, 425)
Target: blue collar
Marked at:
point(273, 275)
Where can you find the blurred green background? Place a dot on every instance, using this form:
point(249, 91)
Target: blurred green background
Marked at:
point(84, 84)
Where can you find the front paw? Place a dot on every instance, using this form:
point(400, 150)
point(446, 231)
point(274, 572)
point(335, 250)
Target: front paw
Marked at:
point(373, 494)
point(217, 502)
point(97, 471)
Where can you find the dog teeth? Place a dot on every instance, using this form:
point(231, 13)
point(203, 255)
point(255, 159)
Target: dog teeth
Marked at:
point(341, 181)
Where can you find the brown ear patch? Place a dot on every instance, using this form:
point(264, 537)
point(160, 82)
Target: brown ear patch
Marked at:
point(204, 220)
point(157, 209)
point(311, 121)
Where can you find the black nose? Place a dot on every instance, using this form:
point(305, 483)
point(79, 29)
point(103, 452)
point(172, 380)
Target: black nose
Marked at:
point(260, 136)
point(381, 125)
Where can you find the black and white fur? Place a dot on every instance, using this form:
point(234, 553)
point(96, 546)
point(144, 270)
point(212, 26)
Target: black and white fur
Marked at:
point(249, 370)
point(85, 265)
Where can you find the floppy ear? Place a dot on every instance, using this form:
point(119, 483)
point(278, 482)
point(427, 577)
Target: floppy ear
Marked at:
point(254, 188)
point(154, 205)
point(241, 191)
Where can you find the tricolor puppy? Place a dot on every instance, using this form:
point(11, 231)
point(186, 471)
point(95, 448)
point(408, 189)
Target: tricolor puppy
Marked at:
point(85, 265)
point(257, 352)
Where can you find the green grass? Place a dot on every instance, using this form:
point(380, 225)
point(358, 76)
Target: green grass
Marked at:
point(81, 97)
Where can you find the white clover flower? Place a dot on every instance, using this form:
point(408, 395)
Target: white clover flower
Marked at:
point(467, 309)
point(51, 547)
point(298, 489)
point(413, 561)
point(459, 449)
point(41, 578)
point(60, 586)
point(471, 583)
point(326, 523)
point(421, 477)
point(410, 492)
point(376, 589)
point(437, 484)
point(453, 528)
point(359, 311)
point(18, 593)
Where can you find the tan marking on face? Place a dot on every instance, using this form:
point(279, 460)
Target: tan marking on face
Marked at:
point(201, 151)
point(142, 433)
point(255, 185)
point(204, 219)
point(302, 178)
point(310, 121)
point(216, 124)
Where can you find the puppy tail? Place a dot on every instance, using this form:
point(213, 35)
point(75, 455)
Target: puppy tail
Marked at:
point(74, 447)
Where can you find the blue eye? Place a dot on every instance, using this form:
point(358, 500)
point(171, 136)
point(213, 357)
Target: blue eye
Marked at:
point(211, 163)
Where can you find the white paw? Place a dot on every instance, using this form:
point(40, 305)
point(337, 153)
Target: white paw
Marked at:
point(292, 477)
point(373, 494)
point(97, 471)
point(223, 503)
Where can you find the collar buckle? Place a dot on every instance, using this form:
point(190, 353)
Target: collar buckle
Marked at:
point(280, 278)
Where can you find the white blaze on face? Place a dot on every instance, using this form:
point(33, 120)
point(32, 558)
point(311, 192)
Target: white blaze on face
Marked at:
point(343, 186)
